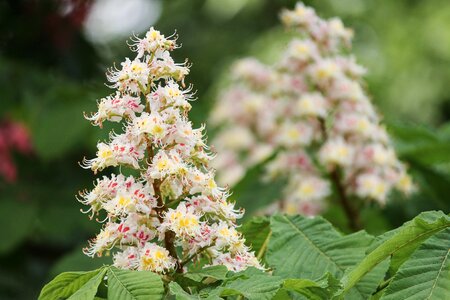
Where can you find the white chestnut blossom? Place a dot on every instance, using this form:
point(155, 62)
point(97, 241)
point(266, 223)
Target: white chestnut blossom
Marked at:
point(172, 212)
point(115, 107)
point(311, 109)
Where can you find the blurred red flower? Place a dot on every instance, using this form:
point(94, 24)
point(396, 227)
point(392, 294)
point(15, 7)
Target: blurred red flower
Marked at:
point(14, 136)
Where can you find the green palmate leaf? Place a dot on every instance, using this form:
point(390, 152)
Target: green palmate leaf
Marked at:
point(214, 272)
point(421, 143)
point(257, 234)
point(76, 285)
point(89, 290)
point(414, 233)
point(398, 244)
point(283, 294)
point(321, 289)
point(411, 133)
point(132, 285)
point(256, 287)
point(426, 275)
point(430, 153)
point(176, 290)
point(307, 248)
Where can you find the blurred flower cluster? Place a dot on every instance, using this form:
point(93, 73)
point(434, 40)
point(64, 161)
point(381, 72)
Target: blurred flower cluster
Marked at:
point(14, 136)
point(174, 201)
point(312, 111)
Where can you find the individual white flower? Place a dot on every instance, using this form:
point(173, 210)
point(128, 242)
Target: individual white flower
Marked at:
point(227, 236)
point(183, 221)
point(345, 89)
point(202, 240)
point(155, 258)
point(353, 123)
point(152, 42)
point(152, 125)
point(252, 70)
point(170, 95)
point(312, 104)
point(237, 262)
point(127, 259)
point(376, 155)
point(301, 51)
point(336, 152)
point(323, 71)
point(227, 210)
point(312, 189)
point(295, 134)
point(132, 77)
point(105, 240)
point(164, 67)
point(165, 164)
point(372, 186)
point(115, 107)
point(122, 150)
point(405, 183)
point(300, 16)
point(337, 33)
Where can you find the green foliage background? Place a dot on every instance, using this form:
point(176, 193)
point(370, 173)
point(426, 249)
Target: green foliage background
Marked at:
point(50, 74)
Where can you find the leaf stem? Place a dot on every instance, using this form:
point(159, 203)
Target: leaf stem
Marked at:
point(383, 285)
point(264, 246)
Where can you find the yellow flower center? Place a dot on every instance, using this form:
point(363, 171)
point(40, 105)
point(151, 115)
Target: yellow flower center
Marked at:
point(175, 215)
point(160, 255)
point(302, 49)
point(135, 68)
point(307, 189)
point(173, 92)
point(363, 125)
point(162, 164)
point(291, 209)
point(124, 201)
point(323, 73)
point(405, 182)
point(306, 104)
point(380, 189)
point(293, 134)
point(105, 154)
point(157, 130)
point(148, 262)
point(300, 11)
point(187, 222)
point(224, 231)
point(342, 152)
point(154, 34)
point(212, 184)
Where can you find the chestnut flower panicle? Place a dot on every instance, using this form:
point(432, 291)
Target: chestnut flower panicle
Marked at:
point(312, 110)
point(174, 205)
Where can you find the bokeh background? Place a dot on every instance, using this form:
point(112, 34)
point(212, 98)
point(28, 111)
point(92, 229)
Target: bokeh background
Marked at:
point(53, 55)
